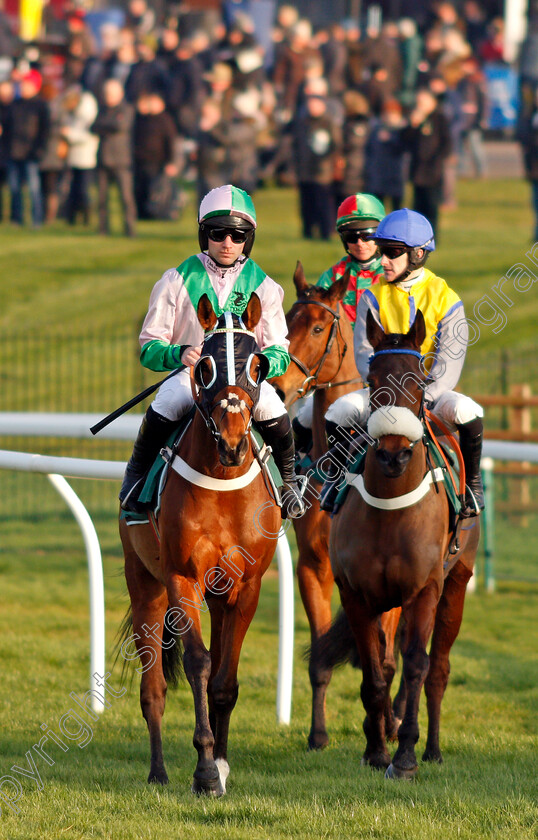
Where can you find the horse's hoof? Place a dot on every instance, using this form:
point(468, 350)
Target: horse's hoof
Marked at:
point(318, 742)
point(224, 771)
point(207, 787)
point(393, 772)
point(433, 755)
point(377, 762)
point(158, 777)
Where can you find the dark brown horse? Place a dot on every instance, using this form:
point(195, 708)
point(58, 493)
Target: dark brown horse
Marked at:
point(321, 350)
point(211, 554)
point(389, 548)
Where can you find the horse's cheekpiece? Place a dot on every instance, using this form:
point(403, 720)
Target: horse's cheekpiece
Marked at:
point(229, 362)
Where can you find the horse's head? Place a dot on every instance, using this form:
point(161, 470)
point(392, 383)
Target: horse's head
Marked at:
point(315, 332)
point(396, 381)
point(228, 377)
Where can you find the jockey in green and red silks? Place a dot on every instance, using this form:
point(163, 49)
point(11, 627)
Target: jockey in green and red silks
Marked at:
point(357, 220)
point(172, 336)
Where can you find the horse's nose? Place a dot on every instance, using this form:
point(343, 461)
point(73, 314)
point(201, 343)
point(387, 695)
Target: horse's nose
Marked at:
point(394, 463)
point(232, 456)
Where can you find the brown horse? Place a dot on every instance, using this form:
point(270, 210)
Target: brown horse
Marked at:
point(211, 556)
point(322, 361)
point(390, 549)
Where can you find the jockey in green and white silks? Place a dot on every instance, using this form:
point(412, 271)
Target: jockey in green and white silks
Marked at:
point(171, 335)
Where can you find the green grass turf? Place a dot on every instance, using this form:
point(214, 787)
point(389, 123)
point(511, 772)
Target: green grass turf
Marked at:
point(485, 789)
point(60, 279)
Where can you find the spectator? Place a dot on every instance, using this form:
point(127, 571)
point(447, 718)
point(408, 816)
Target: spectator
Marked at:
point(385, 155)
point(528, 137)
point(354, 138)
point(289, 70)
point(211, 156)
point(186, 89)
point(428, 138)
point(492, 48)
point(474, 108)
point(154, 136)
point(80, 113)
point(7, 94)
point(411, 53)
point(26, 134)
point(52, 165)
point(114, 127)
point(147, 74)
point(316, 150)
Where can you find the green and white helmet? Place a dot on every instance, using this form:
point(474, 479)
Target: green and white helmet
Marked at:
point(227, 206)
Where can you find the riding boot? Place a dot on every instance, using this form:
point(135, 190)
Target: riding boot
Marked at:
point(154, 432)
point(302, 436)
point(333, 465)
point(471, 435)
point(278, 435)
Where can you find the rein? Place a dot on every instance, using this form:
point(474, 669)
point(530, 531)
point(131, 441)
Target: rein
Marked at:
point(311, 376)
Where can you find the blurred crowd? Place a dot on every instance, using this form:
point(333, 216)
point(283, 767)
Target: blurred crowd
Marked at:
point(150, 105)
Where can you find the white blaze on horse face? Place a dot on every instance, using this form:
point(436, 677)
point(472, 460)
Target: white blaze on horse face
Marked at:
point(233, 404)
point(401, 421)
point(230, 353)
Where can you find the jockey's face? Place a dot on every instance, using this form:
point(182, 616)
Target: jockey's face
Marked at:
point(226, 252)
point(363, 251)
point(395, 267)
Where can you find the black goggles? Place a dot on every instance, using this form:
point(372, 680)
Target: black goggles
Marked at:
point(219, 234)
point(351, 237)
point(392, 252)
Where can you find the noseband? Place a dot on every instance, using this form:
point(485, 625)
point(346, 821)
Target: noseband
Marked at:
point(311, 376)
point(402, 351)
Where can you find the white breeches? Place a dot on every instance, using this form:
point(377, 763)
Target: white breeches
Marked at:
point(305, 412)
point(452, 408)
point(174, 399)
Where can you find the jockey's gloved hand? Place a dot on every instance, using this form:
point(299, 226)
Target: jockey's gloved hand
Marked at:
point(191, 354)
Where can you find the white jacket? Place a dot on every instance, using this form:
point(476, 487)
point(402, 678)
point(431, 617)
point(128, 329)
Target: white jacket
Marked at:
point(83, 144)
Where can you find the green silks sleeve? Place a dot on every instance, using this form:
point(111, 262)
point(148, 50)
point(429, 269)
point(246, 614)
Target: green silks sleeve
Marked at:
point(158, 355)
point(278, 360)
point(326, 279)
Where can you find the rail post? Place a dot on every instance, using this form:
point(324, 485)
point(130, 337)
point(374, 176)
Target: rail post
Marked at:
point(489, 523)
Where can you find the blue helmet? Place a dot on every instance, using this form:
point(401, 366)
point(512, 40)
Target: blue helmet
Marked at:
point(408, 227)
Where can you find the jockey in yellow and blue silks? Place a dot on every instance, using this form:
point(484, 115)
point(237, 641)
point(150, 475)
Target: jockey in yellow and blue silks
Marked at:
point(405, 239)
point(172, 336)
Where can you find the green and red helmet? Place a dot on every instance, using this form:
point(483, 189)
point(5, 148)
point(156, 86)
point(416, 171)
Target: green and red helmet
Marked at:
point(227, 206)
point(361, 210)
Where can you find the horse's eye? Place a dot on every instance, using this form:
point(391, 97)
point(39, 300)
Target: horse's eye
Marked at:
point(317, 330)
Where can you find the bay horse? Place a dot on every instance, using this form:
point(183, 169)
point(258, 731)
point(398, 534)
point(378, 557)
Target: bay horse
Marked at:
point(322, 362)
point(389, 548)
point(213, 549)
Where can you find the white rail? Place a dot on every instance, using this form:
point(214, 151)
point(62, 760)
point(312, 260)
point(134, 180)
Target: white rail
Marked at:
point(56, 468)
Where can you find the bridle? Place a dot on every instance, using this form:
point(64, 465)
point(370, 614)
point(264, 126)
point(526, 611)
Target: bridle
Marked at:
point(402, 351)
point(310, 382)
point(231, 402)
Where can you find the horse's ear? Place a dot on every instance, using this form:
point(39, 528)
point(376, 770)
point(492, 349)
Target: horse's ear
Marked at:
point(374, 332)
point(206, 313)
point(252, 313)
point(417, 333)
point(299, 279)
point(339, 287)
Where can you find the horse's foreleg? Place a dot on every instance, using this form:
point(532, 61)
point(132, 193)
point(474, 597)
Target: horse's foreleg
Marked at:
point(446, 629)
point(185, 596)
point(149, 601)
point(419, 618)
point(316, 584)
point(389, 626)
point(374, 688)
point(224, 688)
